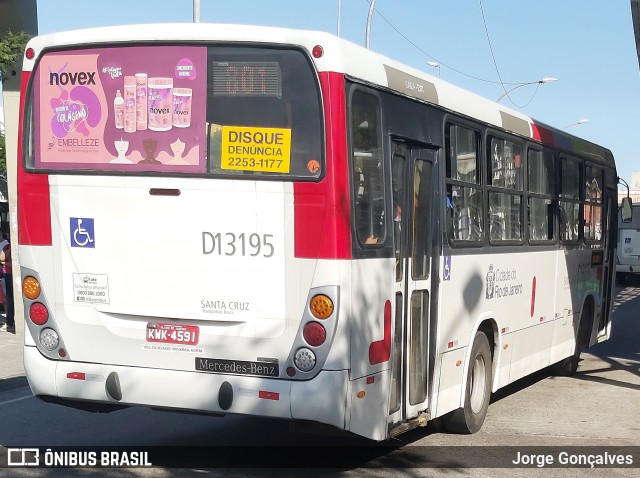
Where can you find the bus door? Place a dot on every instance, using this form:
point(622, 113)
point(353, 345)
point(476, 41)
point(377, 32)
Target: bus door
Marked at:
point(413, 209)
point(608, 225)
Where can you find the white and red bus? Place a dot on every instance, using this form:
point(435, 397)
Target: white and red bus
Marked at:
point(280, 223)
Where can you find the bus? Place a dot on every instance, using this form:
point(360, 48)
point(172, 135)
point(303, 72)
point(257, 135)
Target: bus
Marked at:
point(279, 223)
point(628, 246)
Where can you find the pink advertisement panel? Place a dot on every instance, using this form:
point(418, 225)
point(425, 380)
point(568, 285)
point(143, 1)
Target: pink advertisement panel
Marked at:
point(126, 109)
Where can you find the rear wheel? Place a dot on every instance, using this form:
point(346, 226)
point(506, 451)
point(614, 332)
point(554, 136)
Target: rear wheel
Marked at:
point(569, 366)
point(470, 417)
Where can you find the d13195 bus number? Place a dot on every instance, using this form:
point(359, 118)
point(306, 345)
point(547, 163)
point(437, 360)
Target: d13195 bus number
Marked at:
point(243, 244)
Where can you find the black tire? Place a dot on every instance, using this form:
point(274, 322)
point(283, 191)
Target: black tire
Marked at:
point(569, 366)
point(470, 417)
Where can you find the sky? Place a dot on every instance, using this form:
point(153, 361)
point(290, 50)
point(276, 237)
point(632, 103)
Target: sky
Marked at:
point(588, 45)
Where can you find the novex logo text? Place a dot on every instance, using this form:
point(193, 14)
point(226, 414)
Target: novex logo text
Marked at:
point(78, 78)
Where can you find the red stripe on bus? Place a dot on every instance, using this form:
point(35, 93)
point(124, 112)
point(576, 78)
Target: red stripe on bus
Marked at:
point(322, 210)
point(542, 134)
point(34, 212)
point(380, 351)
point(533, 295)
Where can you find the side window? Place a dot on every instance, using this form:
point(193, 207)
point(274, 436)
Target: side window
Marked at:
point(592, 212)
point(465, 214)
point(569, 204)
point(422, 226)
point(368, 183)
point(506, 172)
point(541, 177)
point(463, 160)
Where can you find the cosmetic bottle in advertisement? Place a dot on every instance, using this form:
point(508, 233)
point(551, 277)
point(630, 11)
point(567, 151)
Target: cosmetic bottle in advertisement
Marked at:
point(141, 101)
point(129, 104)
point(181, 107)
point(118, 110)
point(160, 101)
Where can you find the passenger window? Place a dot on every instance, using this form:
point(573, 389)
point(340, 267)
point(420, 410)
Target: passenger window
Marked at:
point(465, 213)
point(506, 216)
point(593, 204)
point(368, 183)
point(506, 164)
point(541, 179)
point(462, 157)
point(505, 195)
point(569, 221)
point(540, 219)
point(569, 205)
point(541, 172)
point(570, 179)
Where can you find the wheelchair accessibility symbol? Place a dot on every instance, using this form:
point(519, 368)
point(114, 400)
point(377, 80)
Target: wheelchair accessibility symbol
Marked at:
point(446, 272)
point(82, 232)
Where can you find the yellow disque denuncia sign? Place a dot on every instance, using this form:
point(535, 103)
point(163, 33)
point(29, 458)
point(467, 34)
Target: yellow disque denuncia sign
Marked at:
point(256, 149)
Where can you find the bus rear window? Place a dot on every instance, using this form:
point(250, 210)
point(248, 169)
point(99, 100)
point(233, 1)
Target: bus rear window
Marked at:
point(202, 110)
point(263, 113)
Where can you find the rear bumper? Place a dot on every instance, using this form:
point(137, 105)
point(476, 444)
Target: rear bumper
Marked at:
point(193, 391)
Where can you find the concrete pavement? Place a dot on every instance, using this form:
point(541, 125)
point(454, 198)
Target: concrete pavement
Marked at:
point(11, 364)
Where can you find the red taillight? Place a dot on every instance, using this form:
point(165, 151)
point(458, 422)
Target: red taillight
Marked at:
point(317, 51)
point(38, 313)
point(314, 334)
point(30, 53)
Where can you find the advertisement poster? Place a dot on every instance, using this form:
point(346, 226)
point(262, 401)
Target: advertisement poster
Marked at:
point(125, 108)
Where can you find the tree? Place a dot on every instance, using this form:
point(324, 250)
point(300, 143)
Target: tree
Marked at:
point(11, 47)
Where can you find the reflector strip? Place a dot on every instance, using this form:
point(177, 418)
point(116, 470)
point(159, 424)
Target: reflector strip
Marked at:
point(76, 375)
point(268, 395)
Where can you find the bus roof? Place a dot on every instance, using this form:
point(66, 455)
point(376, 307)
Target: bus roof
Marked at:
point(340, 56)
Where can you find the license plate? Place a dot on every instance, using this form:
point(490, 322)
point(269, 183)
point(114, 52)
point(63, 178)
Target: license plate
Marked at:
point(172, 333)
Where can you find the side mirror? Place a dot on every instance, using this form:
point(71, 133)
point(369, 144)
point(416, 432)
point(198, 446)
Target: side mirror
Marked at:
point(626, 210)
